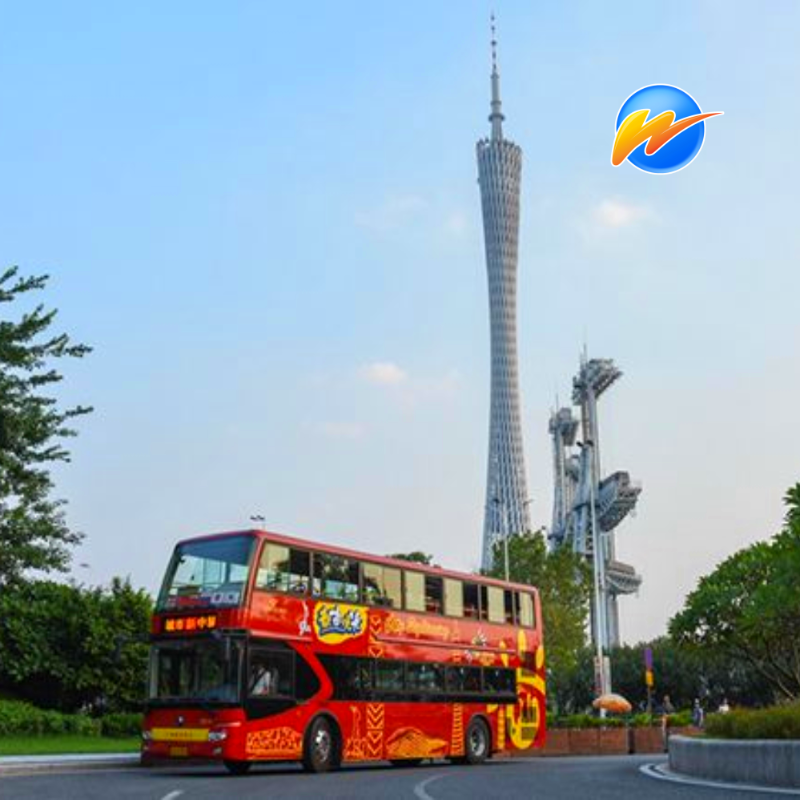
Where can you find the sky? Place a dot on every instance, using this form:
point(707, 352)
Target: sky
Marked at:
point(265, 219)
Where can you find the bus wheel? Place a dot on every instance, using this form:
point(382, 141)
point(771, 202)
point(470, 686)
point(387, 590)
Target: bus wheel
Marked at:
point(476, 742)
point(319, 748)
point(237, 767)
point(405, 762)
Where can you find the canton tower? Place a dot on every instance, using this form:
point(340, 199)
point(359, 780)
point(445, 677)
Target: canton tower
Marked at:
point(499, 171)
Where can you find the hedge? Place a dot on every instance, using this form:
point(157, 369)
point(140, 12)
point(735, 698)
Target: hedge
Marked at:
point(18, 718)
point(776, 722)
point(680, 719)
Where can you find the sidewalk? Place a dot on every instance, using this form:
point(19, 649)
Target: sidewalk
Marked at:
point(12, 765)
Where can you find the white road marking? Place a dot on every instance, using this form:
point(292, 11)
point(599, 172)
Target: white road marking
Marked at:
point(173, 795)
point(661, 773)
point(419, 789)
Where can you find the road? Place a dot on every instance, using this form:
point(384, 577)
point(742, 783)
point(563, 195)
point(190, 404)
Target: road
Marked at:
point(606, 778)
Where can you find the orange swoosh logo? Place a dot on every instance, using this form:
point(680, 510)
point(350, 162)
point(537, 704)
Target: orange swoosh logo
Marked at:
point(635, 130)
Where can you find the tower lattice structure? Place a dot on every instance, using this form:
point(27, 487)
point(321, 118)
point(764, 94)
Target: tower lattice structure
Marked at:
point(587, 508)
point(499, 174)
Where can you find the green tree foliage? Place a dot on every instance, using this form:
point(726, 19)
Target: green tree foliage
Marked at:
point(564, 586)
point(684, 673)
point(748, 609)
point(64, 646)
point(33, 533)
point(417, 556)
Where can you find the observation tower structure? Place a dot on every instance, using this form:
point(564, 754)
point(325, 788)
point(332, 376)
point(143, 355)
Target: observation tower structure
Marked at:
point(499, 174)
point(587, 508)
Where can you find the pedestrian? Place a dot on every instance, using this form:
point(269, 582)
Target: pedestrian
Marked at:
point(667, 705)
point(724, 708)
point(698, 715)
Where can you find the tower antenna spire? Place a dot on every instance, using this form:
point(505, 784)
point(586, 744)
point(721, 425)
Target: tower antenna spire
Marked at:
point(496, 117)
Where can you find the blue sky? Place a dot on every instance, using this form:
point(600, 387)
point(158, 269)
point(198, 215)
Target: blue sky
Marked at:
point(265, 219)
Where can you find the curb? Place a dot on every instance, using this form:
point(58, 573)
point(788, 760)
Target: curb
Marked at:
point(662, 772)
point(19, 765)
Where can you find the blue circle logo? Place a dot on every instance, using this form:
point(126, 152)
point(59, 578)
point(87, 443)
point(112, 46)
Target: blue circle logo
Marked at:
point(659, 129)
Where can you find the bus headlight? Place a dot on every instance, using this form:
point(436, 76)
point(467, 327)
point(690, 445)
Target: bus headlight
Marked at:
point(217, 736)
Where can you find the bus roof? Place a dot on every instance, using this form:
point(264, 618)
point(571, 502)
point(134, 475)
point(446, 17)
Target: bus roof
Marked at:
point(292, 541)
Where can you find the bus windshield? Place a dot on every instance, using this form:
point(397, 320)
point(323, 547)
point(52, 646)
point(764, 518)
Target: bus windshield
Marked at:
point(211, 572)
point(205, 671)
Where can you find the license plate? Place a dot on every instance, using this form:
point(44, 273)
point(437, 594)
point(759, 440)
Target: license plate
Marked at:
point(179, 752)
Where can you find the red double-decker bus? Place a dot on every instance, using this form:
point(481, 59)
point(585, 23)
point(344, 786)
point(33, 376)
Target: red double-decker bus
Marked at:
point(267, 648)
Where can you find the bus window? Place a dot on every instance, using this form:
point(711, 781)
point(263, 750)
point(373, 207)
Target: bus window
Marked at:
point(389, 676)
point(498, 680)
point(335, 576)
point(471, 605)
point(271, 673)
point(415, 591)
point(463, 679)
point(283, 569)
point(351, 677)
point(453, 598)
point(496, 610)
point(425, 677)
point(382, 585)
point(484, 593)
point(508, 604)
point(433, 594)
point(526, 610)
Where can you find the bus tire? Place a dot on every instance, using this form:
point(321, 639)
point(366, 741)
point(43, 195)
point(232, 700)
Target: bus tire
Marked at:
point(237, 767)
point(477, 742)
point(321, 746)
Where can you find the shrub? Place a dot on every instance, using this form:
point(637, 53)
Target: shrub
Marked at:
point(120, 726)
point(586, 721)
point(18, 718)
point(777, 722)
point(680, 719)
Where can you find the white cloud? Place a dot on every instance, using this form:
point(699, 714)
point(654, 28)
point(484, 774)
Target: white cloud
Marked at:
point(383, 373)
point(615, 213)
point(394, 212)
point(455, 224)
point(341, 430)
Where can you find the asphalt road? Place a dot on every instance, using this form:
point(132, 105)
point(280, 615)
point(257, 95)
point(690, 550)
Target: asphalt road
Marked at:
point(606, 778)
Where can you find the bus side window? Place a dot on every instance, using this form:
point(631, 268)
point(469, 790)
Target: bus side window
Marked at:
point(271, 673)
point(526, 610)
point(335, 576)
point(471, 604)
point(508, 603)
point(453, 598)
point(463, 679)
point(382, 586)
point(484, 610)
point(415, 591)
point(389, 676)
point(433, 594)
point(273, 569)
point(496, 610)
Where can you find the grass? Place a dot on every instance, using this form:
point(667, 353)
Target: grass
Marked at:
point(54, 745)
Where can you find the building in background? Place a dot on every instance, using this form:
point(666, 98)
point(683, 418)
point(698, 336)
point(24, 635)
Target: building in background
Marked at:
point(499, 173)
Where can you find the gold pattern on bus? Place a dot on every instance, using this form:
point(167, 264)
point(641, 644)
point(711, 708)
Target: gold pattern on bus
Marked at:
point(457, 735)
point(413, 743)
point(283, 742)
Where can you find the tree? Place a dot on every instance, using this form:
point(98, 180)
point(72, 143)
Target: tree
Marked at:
point(64, 646)
point(562, 578)
point(33, 532)
point(749, 607)
point(416, 556)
